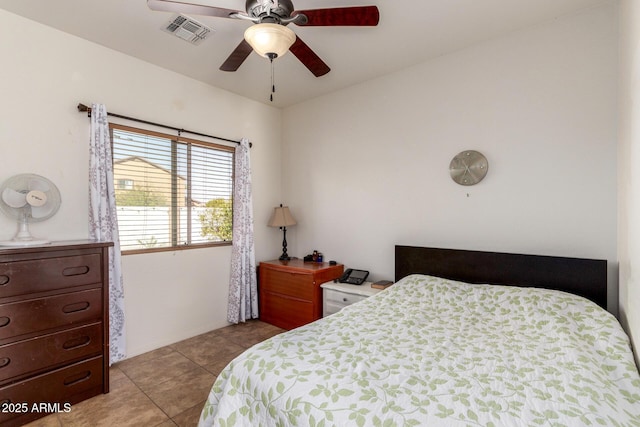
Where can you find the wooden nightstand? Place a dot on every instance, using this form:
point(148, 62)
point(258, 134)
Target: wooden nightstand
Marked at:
point(290, 293)
point(339, 295)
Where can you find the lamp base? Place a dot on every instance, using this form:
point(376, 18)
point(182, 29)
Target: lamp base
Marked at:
point(284, 256)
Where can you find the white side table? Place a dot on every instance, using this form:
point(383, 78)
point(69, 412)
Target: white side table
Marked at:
point(335, 296)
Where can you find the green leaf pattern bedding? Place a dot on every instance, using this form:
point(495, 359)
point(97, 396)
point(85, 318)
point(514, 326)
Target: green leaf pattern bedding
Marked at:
point(430, 351)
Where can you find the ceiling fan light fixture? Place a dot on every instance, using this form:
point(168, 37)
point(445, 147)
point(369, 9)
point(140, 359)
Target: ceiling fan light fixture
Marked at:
point(270, 40)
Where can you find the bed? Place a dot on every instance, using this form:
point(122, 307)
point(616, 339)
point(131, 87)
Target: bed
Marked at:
point(462, 338)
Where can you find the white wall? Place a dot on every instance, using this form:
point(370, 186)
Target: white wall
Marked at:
point(629, 176)
point(367, 167)
point(45, 74)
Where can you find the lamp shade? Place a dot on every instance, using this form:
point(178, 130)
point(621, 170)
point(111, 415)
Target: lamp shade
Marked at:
point(269, 39)
point(281, 217)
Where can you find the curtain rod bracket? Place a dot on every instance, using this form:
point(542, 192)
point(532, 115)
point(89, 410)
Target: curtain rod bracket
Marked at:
point(83, 108)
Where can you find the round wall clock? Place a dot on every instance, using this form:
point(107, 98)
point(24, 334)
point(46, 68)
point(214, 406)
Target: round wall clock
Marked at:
point(468, 167)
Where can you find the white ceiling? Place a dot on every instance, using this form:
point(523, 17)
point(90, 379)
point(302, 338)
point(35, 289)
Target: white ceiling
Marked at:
point(409, 32)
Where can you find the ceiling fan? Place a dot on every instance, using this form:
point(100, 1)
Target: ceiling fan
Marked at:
point(273, 16)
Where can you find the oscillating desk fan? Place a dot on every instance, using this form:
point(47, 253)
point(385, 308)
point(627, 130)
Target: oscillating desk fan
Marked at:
point(28, 198)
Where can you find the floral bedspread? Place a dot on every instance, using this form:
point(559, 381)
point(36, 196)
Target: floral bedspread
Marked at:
point(429, 351)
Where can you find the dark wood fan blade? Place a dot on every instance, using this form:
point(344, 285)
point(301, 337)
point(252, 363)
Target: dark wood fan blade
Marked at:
point(309, 58)
point(353, 16)
point(191, 9)
point(237, 57)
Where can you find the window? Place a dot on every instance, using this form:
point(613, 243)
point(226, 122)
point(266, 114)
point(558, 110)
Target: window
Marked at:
point(171, 192)
point(125, 184)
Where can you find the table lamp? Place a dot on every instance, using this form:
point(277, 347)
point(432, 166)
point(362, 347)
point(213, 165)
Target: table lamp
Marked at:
point(282, 218)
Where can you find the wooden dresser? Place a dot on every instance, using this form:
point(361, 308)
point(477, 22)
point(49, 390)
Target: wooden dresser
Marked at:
point(290, 293)
point(54, 329)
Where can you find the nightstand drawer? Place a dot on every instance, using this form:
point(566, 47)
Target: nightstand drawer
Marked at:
point(286, 312)
point(342, 298)
point(336, 295)
point(298, 285)
point(331, 308)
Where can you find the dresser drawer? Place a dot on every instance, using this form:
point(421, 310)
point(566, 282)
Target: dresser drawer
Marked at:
point(40, 314)
point(24, 277)
point(342, 298)
point(285, 312)
point(66, 385)
point(33, 355)
point(291, 283)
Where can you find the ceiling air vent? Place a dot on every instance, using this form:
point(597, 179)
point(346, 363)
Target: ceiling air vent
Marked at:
point(188, 29)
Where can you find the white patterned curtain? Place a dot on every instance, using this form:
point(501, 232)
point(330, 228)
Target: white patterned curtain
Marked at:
point(243, 286)
point(103, 223)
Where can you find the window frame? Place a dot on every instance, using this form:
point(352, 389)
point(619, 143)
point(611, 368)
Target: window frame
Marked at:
point(184, 140)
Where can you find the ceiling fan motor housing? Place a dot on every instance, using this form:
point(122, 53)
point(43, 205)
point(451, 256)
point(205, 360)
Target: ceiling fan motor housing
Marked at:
point(272, 11)
point(263, 8)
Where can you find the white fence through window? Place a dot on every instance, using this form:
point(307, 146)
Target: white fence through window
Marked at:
point(148, 227)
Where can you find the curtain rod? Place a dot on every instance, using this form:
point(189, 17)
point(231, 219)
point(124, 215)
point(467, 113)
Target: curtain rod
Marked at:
point(83, 108)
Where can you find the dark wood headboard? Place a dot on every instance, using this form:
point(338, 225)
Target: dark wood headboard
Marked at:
point(584, 277)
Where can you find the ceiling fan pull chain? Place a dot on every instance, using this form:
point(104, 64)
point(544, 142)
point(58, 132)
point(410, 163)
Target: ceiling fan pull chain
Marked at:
point(273, 81)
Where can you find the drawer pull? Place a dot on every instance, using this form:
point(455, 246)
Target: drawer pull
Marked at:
point(75, 271)
point(4, 362)
point(4, 279)
point(4, 321)
point(344, 299)
point(75, 379)
point(75, 307)
point(76, 342)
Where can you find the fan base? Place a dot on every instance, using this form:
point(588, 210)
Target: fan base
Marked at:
point(18, 243)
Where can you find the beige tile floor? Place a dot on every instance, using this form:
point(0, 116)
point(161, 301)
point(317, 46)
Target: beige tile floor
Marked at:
point(166, 387)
